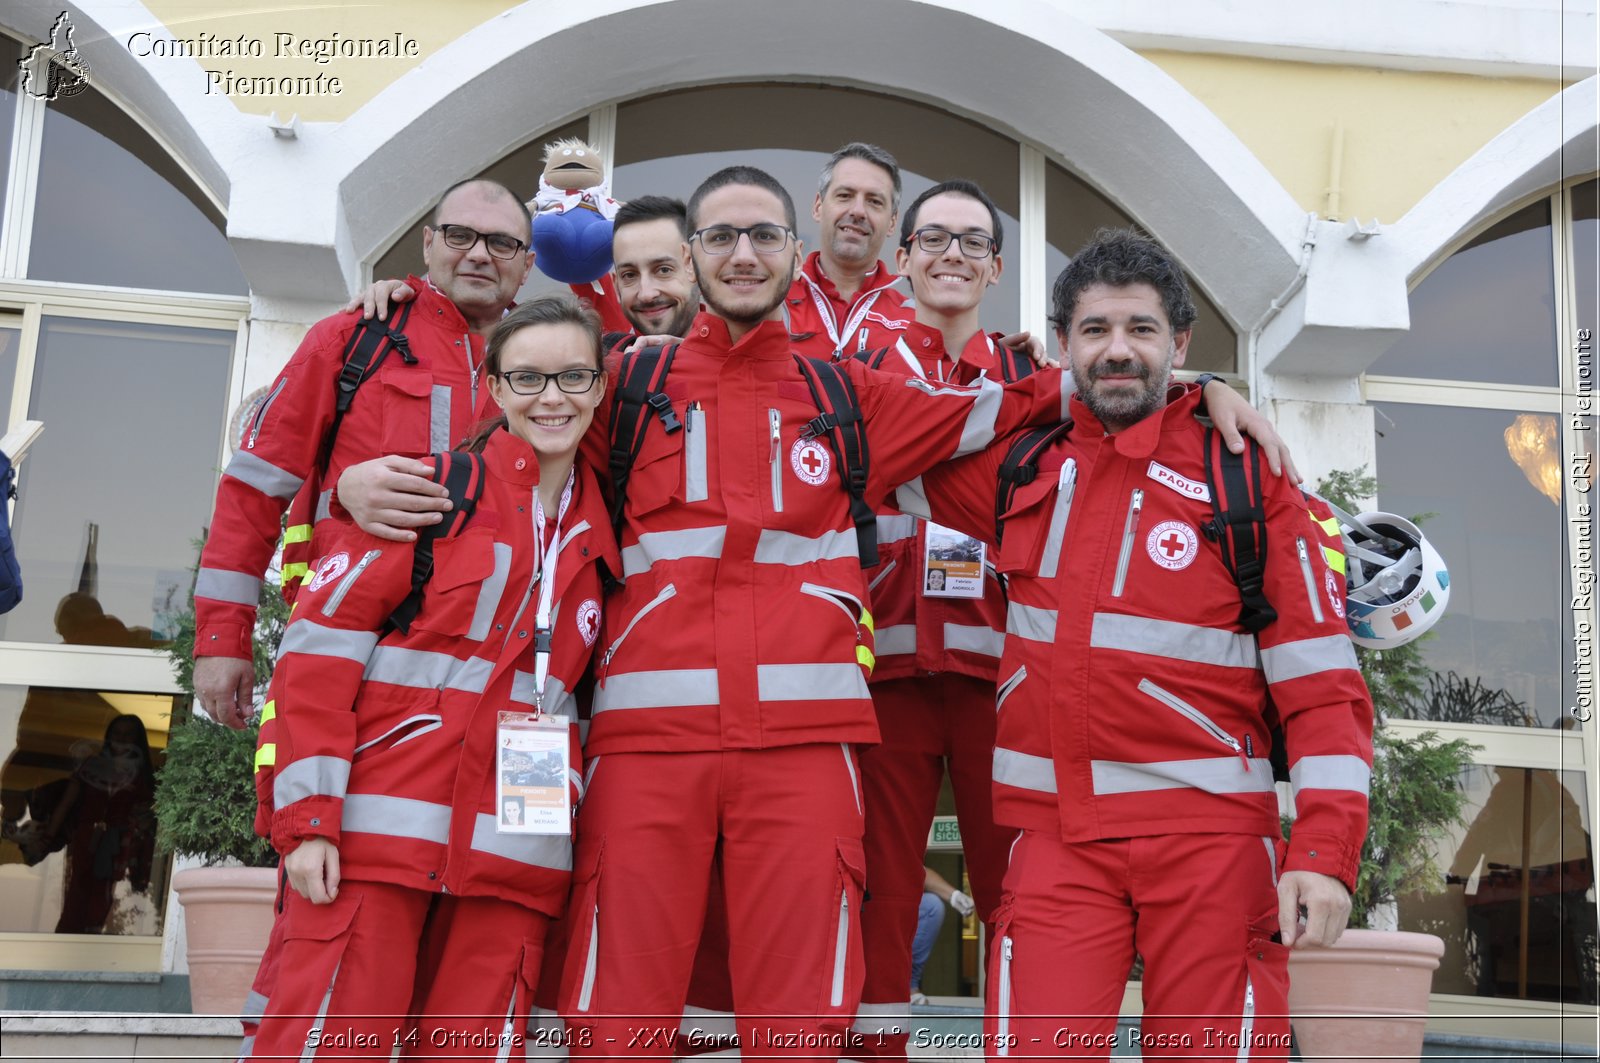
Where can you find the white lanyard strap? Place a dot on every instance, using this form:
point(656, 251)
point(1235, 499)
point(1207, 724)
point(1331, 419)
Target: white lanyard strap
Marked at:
point(858, 313)
point(548, 556)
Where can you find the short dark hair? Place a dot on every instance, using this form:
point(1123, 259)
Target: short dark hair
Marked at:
point(494, 188)
point(738, 175)
point(650, 208)
point(857, 149)
point(1118, 258)
point(960, 187)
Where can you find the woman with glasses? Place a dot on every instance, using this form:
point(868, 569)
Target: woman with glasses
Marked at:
point(413, 891)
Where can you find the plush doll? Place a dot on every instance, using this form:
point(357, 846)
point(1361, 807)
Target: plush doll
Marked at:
point(574, 208)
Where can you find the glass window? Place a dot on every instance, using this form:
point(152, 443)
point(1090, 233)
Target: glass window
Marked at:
point(1489, 483)
point(666, 145)
point(1586, 256)
point(1074, 211)
point(77, 854)
point(10, 75)
point(1488, 312)
point(1516, 908)
point(116, 491)
point(10, 344)
point(114, 208)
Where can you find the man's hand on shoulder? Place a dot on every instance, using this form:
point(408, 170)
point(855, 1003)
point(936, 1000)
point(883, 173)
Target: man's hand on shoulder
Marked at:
point(1327, 909)
point(376, 299)
point(1232, 415)
point(389, 496)
point(224, 686)
point(1032, 346)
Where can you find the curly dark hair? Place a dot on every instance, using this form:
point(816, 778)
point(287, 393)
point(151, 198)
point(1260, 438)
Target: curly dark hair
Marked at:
point(1120, 257)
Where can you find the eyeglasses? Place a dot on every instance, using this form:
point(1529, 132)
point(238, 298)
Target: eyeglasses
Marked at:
point(464, 238)
point(572, 381)
point(765, 238)
point(934, 241)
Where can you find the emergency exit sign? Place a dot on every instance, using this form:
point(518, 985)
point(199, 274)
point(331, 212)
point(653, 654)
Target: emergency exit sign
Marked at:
point(945, 833)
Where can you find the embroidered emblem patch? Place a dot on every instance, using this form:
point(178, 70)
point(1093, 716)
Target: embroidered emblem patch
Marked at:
point(1182, 484)
point(810, 461)
point(589, 621)
point(1172, 544)
point(1335, 592)
point(330, 569)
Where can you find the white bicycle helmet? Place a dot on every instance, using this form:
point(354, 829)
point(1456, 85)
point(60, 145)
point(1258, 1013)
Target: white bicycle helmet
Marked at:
point(1397, 582)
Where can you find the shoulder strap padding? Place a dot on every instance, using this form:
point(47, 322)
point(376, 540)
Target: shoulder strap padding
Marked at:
point(641, 378)
point(461, 473)
point(1021, 465)
point(364, 352)
point(839, 420)
point(1239, 524)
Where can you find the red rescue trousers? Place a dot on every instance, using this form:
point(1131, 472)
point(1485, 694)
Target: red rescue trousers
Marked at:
point(930, 724)
point(1201, 909)
point(786, 823)
point(384, 966)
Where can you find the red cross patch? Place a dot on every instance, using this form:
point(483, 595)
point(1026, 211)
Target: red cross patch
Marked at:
point(1172, 544)
point(589, 621)
point(810, 461)
point(330, 569)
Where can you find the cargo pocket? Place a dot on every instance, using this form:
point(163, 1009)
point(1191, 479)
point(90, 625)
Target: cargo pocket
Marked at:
point(578, 981)
point(846, 968)
point(463, 571)
point(1264, 1016)
point(1000, 1005)
point(315, 937)
point(407, 413)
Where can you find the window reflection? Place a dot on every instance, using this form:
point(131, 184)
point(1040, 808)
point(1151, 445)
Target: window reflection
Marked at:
point(117, 489)
point(1586, 256)
point(10, 344)
point(77, 828)
point(1487, 313)
point(1504, 544)
point(1517, 906)
point(10, 74)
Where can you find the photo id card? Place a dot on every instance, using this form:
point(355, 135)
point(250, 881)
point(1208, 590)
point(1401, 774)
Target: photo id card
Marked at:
point(531, 791)
point(953, 565)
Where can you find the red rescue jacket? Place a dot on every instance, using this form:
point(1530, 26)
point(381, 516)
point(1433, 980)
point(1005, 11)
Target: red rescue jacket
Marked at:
point(823, 324)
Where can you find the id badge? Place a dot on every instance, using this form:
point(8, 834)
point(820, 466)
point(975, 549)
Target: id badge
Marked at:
point(953, 564)
point(532, 795)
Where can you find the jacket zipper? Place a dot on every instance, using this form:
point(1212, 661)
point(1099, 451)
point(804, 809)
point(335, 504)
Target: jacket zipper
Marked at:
point(695, 488)
point(1128, 529)
point(586, 991)
point(1248, 1022)
point(1009, 685)
point(828, 594)
point(1066, 487)
point(775, 424)
point(1003, 1024)
point(261, 414)
point(666, 592)
point(1196, 717)
point(879, 578)
point(1311, 583)
point(841, 948)
point(472, 370)
point(332, 604)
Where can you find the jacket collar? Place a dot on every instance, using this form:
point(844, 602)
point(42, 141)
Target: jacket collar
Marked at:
point(926, 344)
point(1140, 440)
point(880, 277)
point(709, 335)
point(515, 462)
point(434, 306)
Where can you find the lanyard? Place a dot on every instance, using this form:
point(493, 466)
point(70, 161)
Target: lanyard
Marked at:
point(548, 555)
point(916, 366)
point(858, 312)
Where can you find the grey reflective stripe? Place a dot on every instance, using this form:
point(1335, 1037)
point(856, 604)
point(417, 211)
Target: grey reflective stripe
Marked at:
point(1031, 622)
point(220, 585)
point(974, 638)
point(397, 817)
point(787, 548)
point(695, 486)
point(310, 637)
point(309, 1052)
point(897, 638)
point(427, 669)
point(978, 431)
point(309, 777)
point(324, 505)
point(911, 497)
point(1214, 775)
point(553, 851)
point(892, 529)
point(850, 769)
point(1331, 772)
point(439, 418)
point(810, 682)
point(665, 689)
point(1066, 487)
point(558, 700)
point(247, 1047)
point(1179, 642)
point(263, 475)
point(1292, 660)
point(489, 593)
point(1024, 770)
point(255, 1006)
point(670, 546)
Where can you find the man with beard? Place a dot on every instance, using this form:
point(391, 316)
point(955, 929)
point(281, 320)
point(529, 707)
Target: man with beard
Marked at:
point(1133, 734)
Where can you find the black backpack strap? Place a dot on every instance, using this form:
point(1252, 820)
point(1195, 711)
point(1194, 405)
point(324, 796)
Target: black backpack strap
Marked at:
point(1239, 524)
point(1020, 466)
point(461, 473)
point(1014, 364)
point(873, 359)
point(614, 342)
point(639, 389)
point(365, 351)
point(839, 419)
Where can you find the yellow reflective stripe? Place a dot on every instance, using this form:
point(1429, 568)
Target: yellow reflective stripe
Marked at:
point(269, 711)
point(267, 755)
point(1334, 559)
point(867, 622)
point(865, 658)
point(296, 570)
point(1330, 525)
point(299, 533)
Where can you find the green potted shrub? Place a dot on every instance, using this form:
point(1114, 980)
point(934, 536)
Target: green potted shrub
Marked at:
point(205, 810)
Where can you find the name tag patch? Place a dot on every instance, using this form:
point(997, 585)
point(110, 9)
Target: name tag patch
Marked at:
point(1182, 484)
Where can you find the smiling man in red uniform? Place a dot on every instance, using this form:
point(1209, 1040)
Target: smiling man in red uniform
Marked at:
point(1133, 735)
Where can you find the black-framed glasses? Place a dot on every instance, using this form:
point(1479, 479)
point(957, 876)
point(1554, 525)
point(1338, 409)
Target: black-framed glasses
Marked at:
point(572, 381)
point(766, 238)
point(463, 237)
point(934, 240)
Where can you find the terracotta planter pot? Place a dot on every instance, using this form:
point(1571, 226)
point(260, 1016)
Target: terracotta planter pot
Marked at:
point(227, 918)
point(1367, 997)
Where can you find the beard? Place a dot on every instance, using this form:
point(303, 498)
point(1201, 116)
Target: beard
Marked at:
point(1126, 406)
point(746, 309)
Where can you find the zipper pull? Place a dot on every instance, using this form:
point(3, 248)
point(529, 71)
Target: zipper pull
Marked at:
point(774, 420)
point(1244, 755)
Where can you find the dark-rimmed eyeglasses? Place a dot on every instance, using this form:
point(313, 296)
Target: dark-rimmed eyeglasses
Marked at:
point(934, 240)
point(765, 238)
point(572, 381)
point(464, 237)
